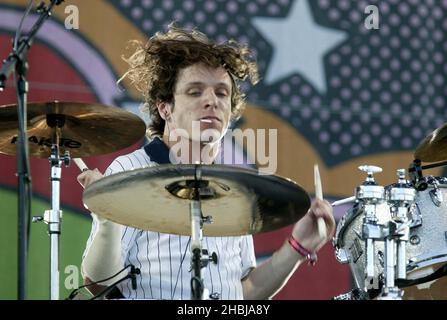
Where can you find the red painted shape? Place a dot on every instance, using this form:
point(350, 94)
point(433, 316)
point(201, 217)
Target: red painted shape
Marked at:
point(327, 279)
point(51, 78)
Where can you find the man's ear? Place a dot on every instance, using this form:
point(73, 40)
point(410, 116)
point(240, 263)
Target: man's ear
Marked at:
point(163, 110)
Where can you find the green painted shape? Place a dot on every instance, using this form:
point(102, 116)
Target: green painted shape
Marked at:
point(75, 231)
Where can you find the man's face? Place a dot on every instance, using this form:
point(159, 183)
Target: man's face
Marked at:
point(202, 94)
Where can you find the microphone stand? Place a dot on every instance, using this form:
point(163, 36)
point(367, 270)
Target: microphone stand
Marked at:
point(17, 62)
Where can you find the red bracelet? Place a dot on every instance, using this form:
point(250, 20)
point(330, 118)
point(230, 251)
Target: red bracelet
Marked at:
point(311, 256)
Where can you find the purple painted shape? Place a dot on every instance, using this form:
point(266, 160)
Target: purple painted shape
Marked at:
point(339, 211)
point(84, 58)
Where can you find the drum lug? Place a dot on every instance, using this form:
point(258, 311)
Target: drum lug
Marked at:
point(416, 215)
point(341, 256)
point(436, 196)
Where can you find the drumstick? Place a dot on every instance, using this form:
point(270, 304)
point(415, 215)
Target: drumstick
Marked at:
point(343, 201)
point(319, 195)
point(81, 164)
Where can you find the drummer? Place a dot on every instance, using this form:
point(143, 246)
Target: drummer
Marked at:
point(185, 77)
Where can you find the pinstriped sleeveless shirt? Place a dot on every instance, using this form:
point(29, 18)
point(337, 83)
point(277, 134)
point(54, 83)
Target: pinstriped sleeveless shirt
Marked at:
point(164, 259)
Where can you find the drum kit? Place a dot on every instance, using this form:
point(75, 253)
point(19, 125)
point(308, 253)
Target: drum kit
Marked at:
point(394, 238)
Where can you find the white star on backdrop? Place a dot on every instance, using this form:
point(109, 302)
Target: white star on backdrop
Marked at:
point(299, 45)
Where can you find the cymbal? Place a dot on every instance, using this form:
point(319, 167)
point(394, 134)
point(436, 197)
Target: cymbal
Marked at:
point(434, 147)
point(239, 200)
point(85, 129)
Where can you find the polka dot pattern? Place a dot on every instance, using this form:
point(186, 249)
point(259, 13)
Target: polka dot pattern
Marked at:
point(386, 88)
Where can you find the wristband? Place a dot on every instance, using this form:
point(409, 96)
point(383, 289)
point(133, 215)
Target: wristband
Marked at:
point(311, 256)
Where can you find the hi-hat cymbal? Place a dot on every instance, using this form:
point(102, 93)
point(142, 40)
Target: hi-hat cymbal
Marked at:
point(239, 200)
point(434, 147)
point(86, 129)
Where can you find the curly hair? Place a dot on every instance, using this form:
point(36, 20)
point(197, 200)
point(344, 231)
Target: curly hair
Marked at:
point(154, 67)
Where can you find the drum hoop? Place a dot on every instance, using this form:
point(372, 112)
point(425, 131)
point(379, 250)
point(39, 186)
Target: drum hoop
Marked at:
point(350, 217)
point(414, 265)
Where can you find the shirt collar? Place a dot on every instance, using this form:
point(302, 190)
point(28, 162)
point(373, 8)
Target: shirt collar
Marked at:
point(157, 151)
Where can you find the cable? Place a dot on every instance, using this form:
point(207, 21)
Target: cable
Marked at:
point(133, 271)
point(180, 268)
point(75, 291)
point(196, 288)
point(24, 158)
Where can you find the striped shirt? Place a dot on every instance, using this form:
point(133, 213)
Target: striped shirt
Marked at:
point(164, 259)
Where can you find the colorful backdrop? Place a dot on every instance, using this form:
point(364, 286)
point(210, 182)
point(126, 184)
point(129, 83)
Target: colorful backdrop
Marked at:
point(338, 93)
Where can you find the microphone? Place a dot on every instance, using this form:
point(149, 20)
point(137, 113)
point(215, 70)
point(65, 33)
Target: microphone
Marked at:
point(133, 272)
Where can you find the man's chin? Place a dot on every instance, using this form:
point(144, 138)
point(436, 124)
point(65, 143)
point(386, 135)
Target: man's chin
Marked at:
point(214, 125)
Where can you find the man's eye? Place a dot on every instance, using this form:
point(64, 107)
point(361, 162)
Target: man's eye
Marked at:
point(221, 94)
point(194, 93)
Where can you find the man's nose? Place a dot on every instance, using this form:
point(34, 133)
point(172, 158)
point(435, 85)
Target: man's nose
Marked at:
point(211, 99)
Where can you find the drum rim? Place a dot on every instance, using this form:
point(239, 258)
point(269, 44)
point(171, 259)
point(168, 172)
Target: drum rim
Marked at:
point(420, 264)
point(345, 221)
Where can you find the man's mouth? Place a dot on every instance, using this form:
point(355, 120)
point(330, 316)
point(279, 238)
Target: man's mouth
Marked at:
point(209, 119)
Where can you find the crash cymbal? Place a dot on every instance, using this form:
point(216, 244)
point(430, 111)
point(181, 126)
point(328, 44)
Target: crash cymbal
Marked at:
point(434, 147)
point(86, 129)
point(239, 200)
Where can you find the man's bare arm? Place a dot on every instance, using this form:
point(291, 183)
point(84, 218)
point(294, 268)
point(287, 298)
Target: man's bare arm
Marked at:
point(94, 289)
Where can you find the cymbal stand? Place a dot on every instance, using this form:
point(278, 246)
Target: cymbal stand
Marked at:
point(199, 256)
point(53, 217)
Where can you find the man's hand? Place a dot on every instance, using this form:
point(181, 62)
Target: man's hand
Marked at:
point(88, 177)
point(269, 277)
point(305, 230)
